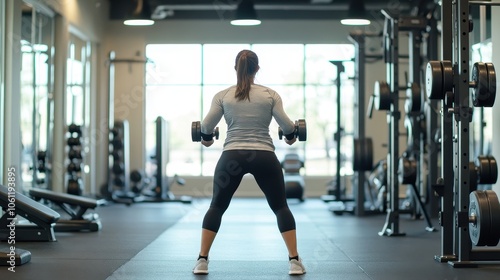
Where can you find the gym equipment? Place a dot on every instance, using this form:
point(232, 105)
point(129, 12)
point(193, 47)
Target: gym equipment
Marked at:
point(439, 79)
point(161, 183)
point(42, 218)
point(467, 216)
point(382, 99)
point(20, 257)
point(116, 187)
point(74, 167)
point(294, 181)
point(386, 97)
point(119, 170)
point(196, 132)
point(484, 218)
point(363, 155)
point(300, 130)
point(75, 206)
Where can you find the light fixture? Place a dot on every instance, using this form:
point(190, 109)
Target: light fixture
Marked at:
point(356, 15)
point(245, 14)
point(141, 15)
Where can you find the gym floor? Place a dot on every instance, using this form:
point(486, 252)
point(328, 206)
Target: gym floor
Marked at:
point(161, 241)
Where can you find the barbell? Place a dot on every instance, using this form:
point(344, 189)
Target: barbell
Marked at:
point(440, 76)
point(382, 98)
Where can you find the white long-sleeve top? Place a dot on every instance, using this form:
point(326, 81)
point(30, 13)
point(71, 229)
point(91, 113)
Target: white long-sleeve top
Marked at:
point(248, 121)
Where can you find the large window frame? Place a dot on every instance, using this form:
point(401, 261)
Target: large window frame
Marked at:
point(301, 73)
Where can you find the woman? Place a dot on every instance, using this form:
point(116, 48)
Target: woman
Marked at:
point(248, 110)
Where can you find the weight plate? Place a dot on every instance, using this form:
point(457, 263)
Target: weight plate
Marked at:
point(492, 84)
point(479, 210)
point(447, 67)
point(382, 96)
point(494, 235)
point(434, 80)
point(196, 131)
point(368, 162)
point(407, 171)
point(413, 102)
point(483, 165)
point(481, 90)
point(356, 157)
point(473, 176)
point(493, 170)
point(301, 129)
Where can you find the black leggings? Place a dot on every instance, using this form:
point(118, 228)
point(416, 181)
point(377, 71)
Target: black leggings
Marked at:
point(265, 168)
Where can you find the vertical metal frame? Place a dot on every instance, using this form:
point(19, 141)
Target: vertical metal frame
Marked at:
point(359, 121)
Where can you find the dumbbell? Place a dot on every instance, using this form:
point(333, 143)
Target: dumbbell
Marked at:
point(196, 132)
point(300, 130)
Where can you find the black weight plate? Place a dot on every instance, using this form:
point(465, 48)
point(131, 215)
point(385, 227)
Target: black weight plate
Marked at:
point(493, 170)
point(413, 102)
point(368, 160)
point(473, 176)
point(492, 84)
point(382, 96)
point(481, 90)
point(479, 208)
point(301, 130)
point(447, 67)
point(357, 154)
point(494, 235)
point(195, 131)
point(434, 80)
point(483, 163)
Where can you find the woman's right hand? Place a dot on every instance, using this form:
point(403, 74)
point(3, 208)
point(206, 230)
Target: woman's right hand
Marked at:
point(290, 142)
point(207, 143)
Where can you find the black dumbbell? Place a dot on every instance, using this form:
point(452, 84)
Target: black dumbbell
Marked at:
point(196, 132)
point(300, 130)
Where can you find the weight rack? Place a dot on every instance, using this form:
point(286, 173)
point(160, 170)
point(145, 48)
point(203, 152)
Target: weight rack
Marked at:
point(457, 183)
point(415, 26)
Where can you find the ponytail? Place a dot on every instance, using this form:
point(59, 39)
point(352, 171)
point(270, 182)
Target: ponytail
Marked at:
point(247, 65)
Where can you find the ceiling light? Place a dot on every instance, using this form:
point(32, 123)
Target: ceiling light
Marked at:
point(356, 15)
point(245, 14)
point(141, 15)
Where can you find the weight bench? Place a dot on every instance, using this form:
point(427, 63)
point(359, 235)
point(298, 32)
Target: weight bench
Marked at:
point(42, 218)
point(75, 206)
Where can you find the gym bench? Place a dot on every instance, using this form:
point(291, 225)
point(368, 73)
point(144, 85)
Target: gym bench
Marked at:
point(75, 206)
point(42, 218)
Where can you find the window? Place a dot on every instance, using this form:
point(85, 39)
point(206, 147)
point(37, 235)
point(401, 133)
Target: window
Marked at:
point(182, 81)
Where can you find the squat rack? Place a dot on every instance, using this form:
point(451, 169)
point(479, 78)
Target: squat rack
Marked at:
point(457, 183)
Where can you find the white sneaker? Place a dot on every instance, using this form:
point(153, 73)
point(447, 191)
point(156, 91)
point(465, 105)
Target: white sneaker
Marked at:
point(201, 266)
point(296, 267)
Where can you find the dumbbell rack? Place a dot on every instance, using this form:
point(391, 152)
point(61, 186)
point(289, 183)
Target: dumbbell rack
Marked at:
point(456, 185)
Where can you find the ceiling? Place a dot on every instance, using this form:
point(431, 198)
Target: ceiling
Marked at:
point(266, 9)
